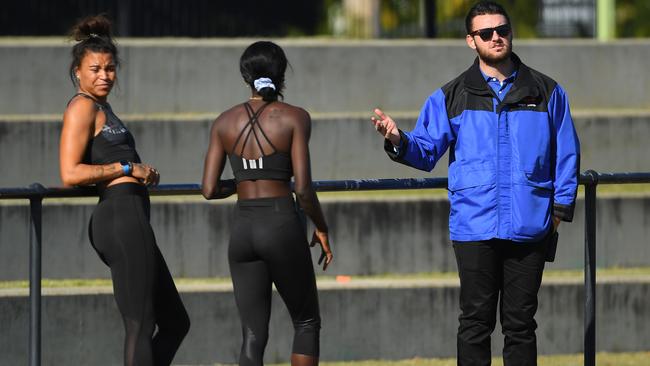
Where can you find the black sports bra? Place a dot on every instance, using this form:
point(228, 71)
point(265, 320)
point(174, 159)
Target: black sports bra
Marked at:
point(274, 166)
point(114, 143)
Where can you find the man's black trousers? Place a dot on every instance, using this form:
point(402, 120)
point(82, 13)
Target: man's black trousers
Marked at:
point(496, 270)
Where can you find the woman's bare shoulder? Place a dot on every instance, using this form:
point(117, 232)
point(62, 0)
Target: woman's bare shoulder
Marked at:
point(230, 114)
point(80, 109)
point(81, 103)
point(293, 114)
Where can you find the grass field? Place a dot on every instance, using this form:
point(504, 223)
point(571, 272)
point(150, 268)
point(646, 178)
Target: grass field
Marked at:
point(604, 190)
point(602, 273)
point(602, 359)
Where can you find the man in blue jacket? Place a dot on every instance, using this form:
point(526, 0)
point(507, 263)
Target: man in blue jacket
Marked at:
point(513, 175)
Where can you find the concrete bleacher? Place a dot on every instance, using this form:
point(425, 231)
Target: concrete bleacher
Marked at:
point(343, 147)
point(364, 319)
point(170, 90)
point(202, 76)
point(193, 235)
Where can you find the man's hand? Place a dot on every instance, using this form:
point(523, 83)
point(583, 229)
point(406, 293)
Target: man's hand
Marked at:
point(386, 127)
point(556, 222)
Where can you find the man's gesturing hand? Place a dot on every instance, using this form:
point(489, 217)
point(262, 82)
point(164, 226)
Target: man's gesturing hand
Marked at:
point(386, 126)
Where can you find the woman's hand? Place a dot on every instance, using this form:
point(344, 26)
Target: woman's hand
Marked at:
point(321, 238)
point(146, 174)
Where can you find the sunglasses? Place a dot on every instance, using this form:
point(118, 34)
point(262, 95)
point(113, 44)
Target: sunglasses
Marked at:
point(486, 33)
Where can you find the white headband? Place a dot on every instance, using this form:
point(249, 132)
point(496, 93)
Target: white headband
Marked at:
point(262, 83)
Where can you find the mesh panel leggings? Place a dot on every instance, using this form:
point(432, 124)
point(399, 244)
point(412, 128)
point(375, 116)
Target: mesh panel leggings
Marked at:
point(144, 290)
point(268, 245)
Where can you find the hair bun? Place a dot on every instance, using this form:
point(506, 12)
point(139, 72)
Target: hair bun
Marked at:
point(92, 26)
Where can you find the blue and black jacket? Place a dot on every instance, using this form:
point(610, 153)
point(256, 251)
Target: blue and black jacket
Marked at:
point(512, 163)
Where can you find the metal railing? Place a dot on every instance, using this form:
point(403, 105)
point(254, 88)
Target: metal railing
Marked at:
point(37, 192)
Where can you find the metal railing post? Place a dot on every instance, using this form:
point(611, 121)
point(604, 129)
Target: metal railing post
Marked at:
point(35, 252)
point(590, 268)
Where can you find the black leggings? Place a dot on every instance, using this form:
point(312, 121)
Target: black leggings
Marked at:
point(144, 290)
point(268, 245)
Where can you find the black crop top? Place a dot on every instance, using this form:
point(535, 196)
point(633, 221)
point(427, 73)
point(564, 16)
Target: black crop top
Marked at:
point(274, 166)
point(114, 143)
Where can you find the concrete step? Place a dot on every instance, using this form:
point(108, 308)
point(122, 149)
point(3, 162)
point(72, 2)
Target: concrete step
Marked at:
point(366, 240)
point(194, 75)
point(363, 319)
point(342, 146)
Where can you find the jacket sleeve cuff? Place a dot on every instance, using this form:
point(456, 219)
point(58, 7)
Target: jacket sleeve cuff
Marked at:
point(396, 154)
point(564, 212)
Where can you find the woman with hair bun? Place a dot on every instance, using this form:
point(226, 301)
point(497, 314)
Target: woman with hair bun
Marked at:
point(96, 148)
point(266, 142)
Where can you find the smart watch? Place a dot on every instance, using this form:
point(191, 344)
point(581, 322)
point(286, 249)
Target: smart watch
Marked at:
point(127, 167)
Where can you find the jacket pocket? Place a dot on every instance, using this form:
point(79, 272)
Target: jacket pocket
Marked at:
point(472, 195)
point(532, 199)
point(462, 176)
point(535, 175)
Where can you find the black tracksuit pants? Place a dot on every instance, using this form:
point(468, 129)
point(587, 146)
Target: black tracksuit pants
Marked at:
point(498, 272)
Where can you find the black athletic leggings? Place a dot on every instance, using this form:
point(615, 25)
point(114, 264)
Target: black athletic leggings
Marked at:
point(268, 245)
point(144, 290)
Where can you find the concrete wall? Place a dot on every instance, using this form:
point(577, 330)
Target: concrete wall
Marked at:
point(199, 76)
point(338, 81)
point(403, 321)
point(341, 148)
point(365, 238)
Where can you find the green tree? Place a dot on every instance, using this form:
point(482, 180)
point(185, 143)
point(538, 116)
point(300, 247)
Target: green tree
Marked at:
point(450, 17)
point(632, 18)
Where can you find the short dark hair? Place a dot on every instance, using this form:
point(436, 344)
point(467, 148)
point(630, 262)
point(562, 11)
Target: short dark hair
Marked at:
point(482, 8)
point(93, 34)
point(264, 59)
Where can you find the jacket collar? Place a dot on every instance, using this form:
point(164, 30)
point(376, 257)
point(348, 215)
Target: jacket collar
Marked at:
point(523, 87)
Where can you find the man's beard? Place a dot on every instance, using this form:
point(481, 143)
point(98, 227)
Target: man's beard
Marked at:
point(494, 60)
